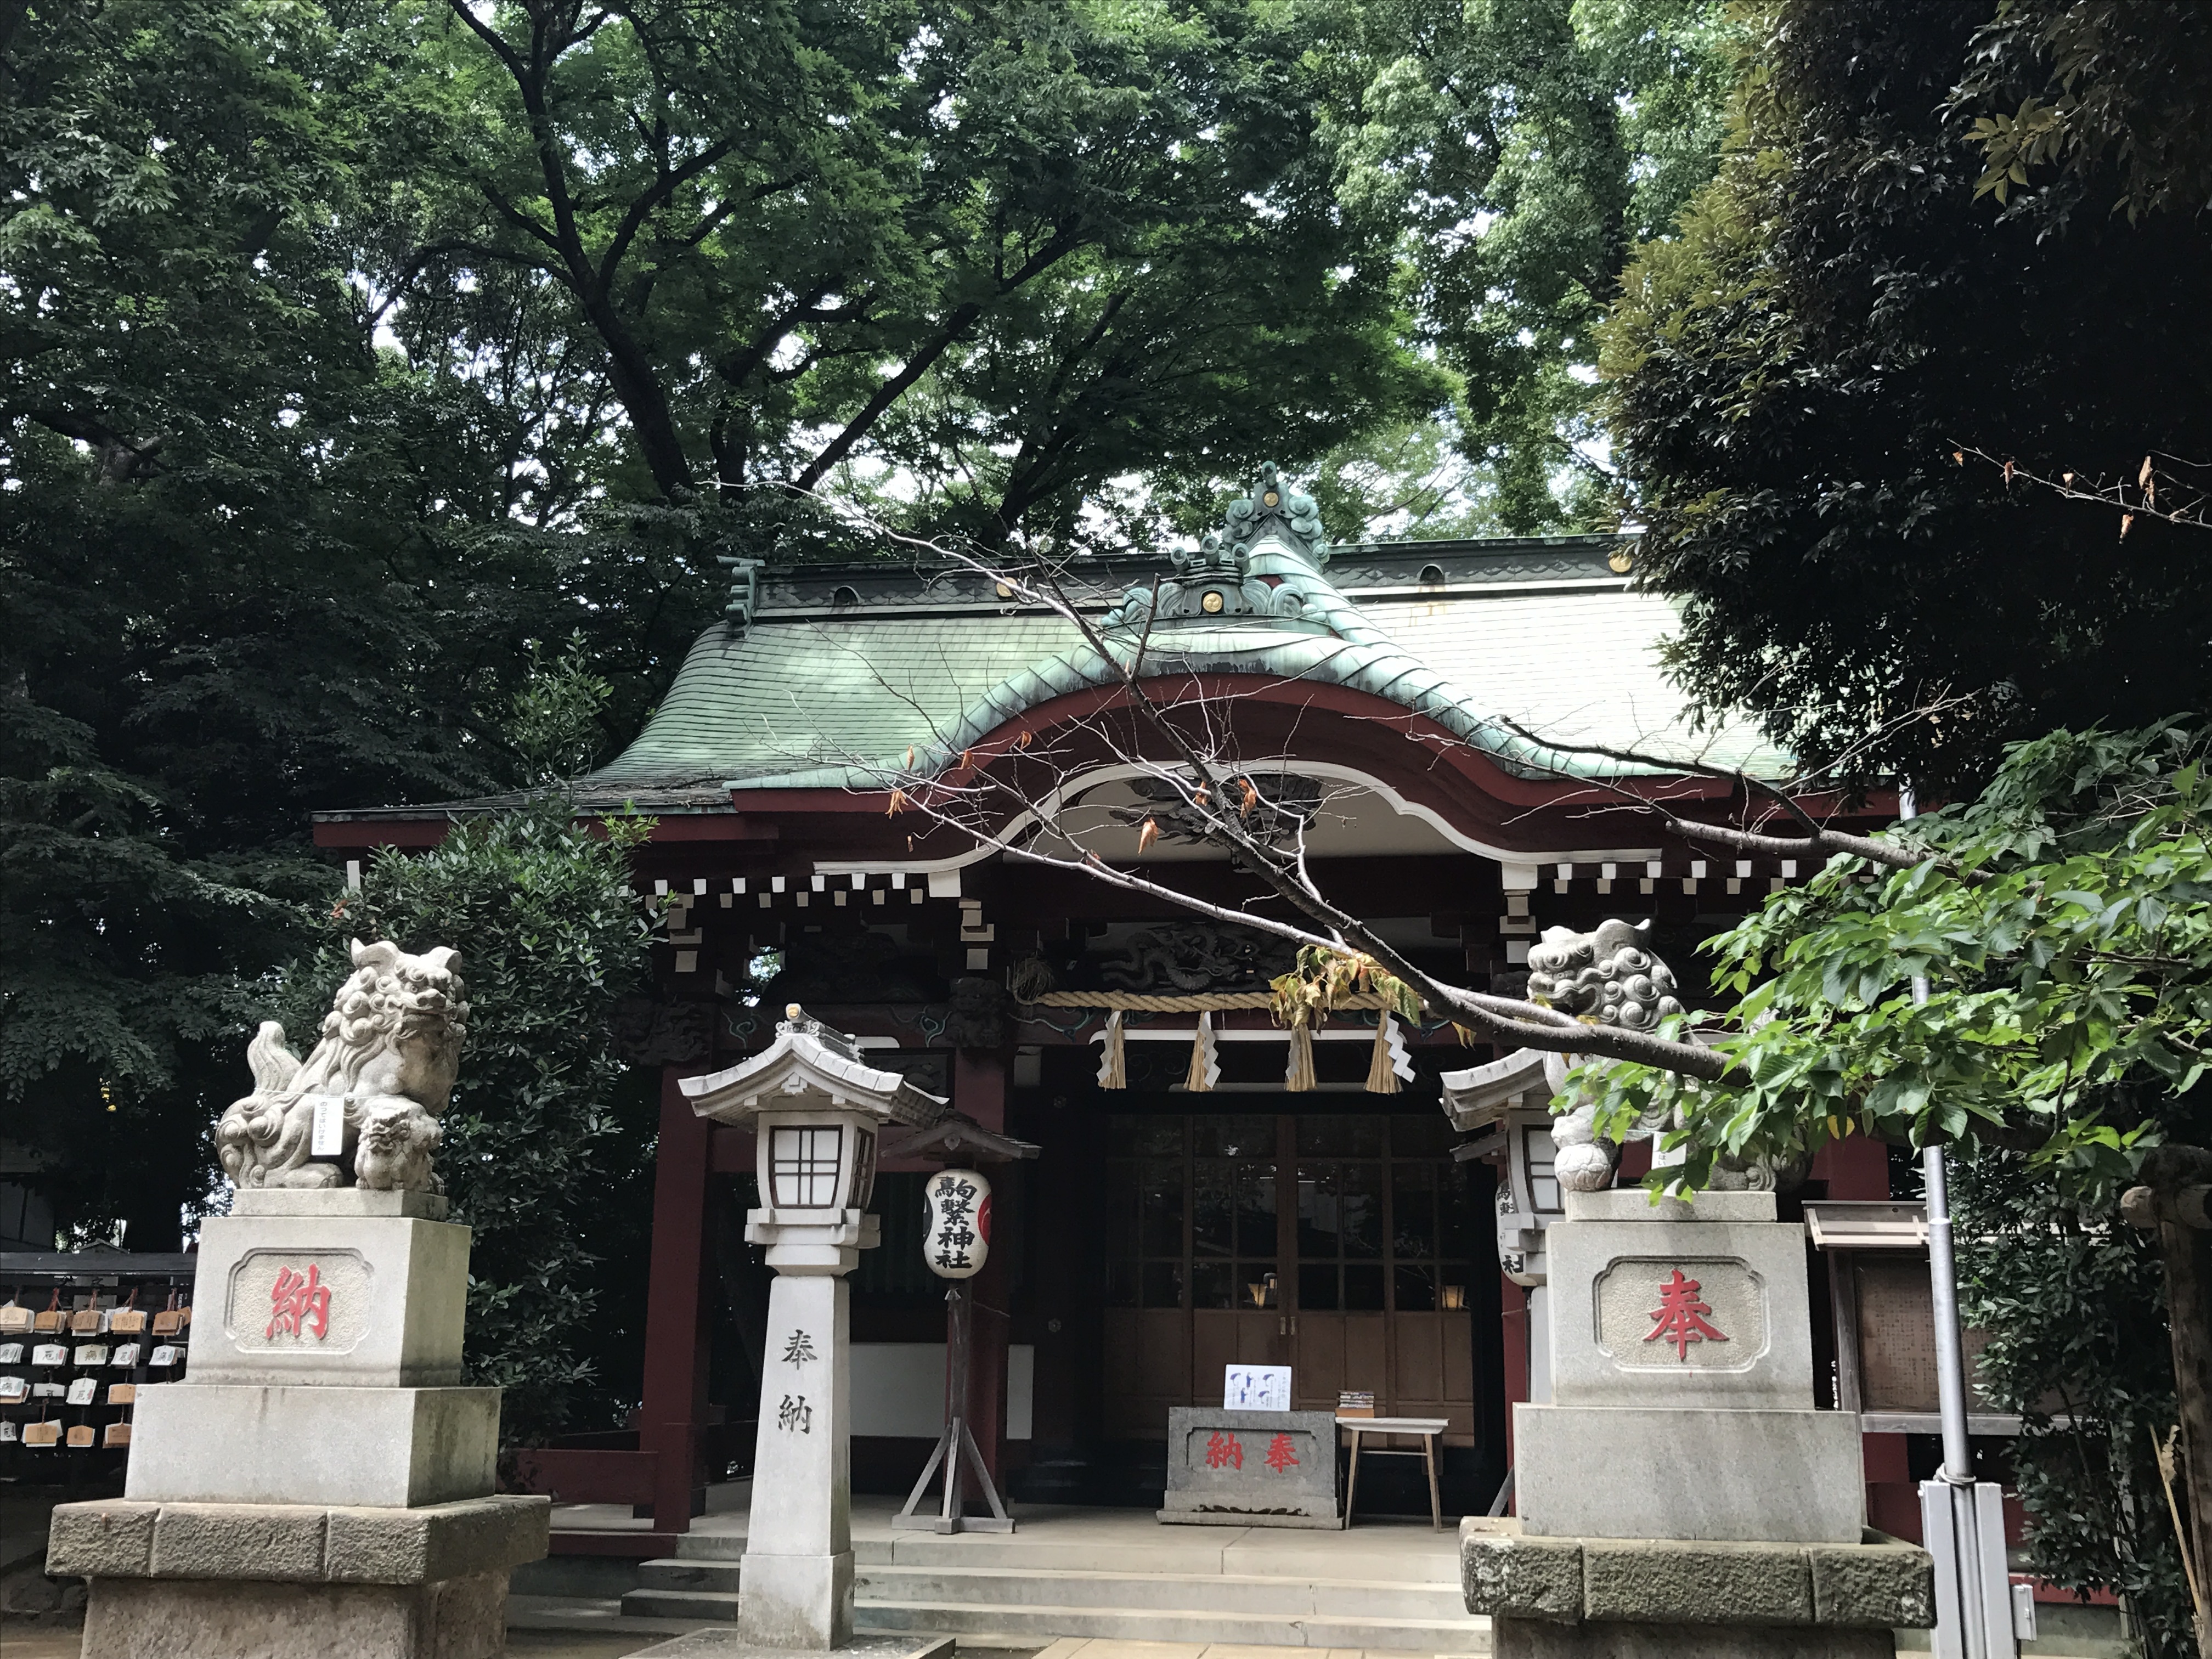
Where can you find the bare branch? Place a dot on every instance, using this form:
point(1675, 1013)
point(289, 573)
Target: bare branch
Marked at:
point(2132, 499)
point(1818, 839)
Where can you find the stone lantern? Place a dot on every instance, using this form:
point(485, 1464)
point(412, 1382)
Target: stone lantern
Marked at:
point(816, 1110)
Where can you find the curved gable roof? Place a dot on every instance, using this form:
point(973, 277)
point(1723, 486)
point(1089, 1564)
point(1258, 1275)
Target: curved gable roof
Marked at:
point(1548, 632)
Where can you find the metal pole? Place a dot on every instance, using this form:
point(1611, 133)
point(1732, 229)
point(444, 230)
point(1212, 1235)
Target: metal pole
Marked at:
point(1977, 1603)
point(963, 1306)
point(1943, 1281)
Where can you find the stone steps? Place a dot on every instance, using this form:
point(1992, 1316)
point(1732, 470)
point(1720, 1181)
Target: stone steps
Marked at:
point(1241, 1608)
point(1462, 1636)
point(1043, 1622)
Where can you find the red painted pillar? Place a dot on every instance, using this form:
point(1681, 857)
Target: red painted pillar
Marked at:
point(1856, 1169)
point(675, 1406)
point(1513, 1316)
point(979, 1089)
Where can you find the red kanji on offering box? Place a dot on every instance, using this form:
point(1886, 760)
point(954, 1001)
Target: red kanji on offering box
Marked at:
point(1279, 1453)
point(1223, 1452)
point(1679, 1316)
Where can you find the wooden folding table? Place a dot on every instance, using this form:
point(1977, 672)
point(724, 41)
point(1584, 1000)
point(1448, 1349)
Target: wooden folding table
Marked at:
point(1428, 1428)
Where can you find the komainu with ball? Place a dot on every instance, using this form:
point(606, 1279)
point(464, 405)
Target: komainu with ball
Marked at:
point(384, 1067)
point(1609, 978)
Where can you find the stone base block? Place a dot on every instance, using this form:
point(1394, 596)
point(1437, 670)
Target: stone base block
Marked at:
point(387, 1448)
point(1624, 1472)
point(338, 1201)
point(798, 1602)
point(1636, 1204)
point(116, 1538)
point(463, 1618)
point(1522, 1639)
point(1619, 1583)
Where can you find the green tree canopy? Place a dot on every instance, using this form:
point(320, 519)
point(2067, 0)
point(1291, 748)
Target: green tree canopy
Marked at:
point(999, 251)
point(224, 559)
point(1525, 146)
point(2100, 104)
point(1798, 374)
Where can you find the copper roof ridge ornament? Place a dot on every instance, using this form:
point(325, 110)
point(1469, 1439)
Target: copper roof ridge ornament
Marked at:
point(1213, 584)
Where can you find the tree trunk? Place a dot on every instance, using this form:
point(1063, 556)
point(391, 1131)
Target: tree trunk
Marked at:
point(2173, 1200)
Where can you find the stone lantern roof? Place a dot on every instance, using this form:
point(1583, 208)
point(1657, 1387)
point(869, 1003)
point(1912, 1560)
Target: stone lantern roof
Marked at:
point(810, 1065)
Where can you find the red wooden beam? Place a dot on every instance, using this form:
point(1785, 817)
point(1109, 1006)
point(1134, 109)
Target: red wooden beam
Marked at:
point(638, 1544)
point(586, 1476)
point(979, 1089)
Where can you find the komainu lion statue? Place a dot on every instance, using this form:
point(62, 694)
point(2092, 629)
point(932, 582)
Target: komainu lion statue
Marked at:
point(1611, 977)
point(391, 1048)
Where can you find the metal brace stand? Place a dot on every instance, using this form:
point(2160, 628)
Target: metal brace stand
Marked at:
point(956, 1440)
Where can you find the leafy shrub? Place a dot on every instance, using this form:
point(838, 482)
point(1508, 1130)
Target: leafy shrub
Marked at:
point(550, 1137)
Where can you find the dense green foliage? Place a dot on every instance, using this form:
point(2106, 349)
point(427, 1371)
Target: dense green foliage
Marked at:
point(2075, 1304)
point(996, 251)
point(227, 597)
point(2063, 925)
point(548, 1142)
point(2100, 104)
point(1795, 373)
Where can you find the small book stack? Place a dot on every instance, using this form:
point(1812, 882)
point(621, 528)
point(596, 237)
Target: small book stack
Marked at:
point(1349, 1404)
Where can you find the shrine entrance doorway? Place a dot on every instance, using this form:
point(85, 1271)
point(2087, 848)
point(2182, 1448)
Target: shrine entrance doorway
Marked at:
point(1339, 1245)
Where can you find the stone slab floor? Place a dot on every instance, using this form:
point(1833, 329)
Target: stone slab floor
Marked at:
point(29, 1642)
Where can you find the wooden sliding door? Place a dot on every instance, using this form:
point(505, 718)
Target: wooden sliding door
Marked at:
point(1363, 1221)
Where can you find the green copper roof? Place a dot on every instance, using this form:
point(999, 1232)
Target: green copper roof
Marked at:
point(841, 670)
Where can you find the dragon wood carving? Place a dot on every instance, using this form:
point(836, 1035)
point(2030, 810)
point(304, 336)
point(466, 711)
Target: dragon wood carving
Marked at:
point(1192, 956)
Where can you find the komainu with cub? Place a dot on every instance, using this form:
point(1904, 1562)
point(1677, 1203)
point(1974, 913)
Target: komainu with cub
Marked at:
point(384, 1069)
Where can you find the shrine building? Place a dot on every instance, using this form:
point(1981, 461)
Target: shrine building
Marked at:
point(1172, 1194)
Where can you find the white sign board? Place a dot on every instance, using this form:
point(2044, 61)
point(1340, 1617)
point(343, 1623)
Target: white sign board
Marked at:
point(328, 1136)
point(1255, 1389)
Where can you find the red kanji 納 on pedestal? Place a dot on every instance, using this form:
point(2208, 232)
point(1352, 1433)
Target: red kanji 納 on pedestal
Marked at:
point(1223, 1452)
point(298, 1297)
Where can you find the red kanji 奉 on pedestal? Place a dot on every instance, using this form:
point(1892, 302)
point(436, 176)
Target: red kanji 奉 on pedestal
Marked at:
point(1679, 1316)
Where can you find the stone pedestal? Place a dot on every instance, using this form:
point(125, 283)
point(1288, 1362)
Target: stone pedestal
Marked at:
point(796, 1579)
point(398, 1285)
point(224, 1581)
point(1681, 1495)
point(1682, 1381)
point(321, 1486)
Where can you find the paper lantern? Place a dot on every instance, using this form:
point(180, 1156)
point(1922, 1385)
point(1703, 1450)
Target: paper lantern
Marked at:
point(956, 1234)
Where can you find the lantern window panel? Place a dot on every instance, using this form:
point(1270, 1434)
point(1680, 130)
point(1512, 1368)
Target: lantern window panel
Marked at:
point(863, 1170)
point(803, 1164)
point(1543, 1181)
